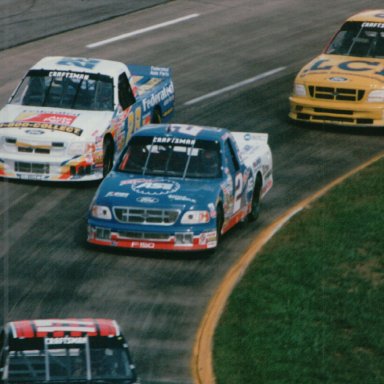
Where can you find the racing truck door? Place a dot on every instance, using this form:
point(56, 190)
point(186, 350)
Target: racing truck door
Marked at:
point(235, 178)
point(131, 109)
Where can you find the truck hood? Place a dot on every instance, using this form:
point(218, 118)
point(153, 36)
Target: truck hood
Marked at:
point(120, 189)
point(53, 123)
point(340, 71)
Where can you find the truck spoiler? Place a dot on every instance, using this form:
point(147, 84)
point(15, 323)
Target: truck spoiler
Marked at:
point(243, 138)
point(149, 71)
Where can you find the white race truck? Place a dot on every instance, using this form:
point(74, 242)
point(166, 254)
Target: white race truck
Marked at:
point(69, 118)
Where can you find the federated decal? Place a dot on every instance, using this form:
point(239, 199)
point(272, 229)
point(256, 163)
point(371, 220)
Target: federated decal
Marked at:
point(153, 100)
point(160, 71)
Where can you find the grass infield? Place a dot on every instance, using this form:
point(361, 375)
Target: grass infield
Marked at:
point(310, 308)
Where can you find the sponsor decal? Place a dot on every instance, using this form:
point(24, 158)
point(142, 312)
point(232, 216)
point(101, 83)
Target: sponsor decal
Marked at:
point(49, 126)
point(54, 118)
point(160, 72)
point(65, 340)
point(156, 98)
point(380, 15)
point(147, 200)
point(338, 79)
point(208, 238)
point(69, 75)
point(349, 65)
point(182, 198)
point(133, 181)
point(248, 148)
point(212, 210)
point(173, 140)
point(154, 187)
point(117, 194)
point(247, 136)
point(368, 24)
point(142, 244)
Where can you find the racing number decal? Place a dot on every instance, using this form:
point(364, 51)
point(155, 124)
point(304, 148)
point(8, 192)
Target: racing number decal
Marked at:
point(131, 124)
point(186, 129)
point(238, 192)
point(134, 122)
point(137, 118)
point(79, 62)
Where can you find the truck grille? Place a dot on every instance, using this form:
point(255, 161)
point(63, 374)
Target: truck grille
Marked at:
point(341, 94)
point(130, 215)
point(31, 167)
point(12, 144)
point(144, 236)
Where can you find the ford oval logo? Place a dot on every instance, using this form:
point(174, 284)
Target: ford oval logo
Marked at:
point(338, 79)
point(35, 132)
point(147, 200)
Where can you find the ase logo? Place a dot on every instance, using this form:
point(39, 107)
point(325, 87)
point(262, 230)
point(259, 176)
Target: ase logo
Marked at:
point(154, 187)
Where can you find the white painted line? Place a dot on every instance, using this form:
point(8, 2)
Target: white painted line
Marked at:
point(234, 86)
point(143, 30)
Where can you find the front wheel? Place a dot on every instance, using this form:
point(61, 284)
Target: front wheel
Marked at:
point(108, 152)
point(219, 223)
point(255, 205)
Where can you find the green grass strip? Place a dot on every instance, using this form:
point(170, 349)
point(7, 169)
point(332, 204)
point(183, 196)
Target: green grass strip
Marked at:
point(310, 308)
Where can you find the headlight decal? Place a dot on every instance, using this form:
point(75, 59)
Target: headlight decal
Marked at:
point(195, 217)
point(376, 96)
point(299, 90)
point(101, 212)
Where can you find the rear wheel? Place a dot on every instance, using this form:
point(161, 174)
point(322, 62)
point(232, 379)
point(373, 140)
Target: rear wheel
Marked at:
point(255, 205)
point(156, 116)
point(108, 152)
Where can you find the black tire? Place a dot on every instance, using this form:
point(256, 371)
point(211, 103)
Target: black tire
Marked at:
point(156, 116)
point(256, 204)
point(219, 223)
point(108, 153)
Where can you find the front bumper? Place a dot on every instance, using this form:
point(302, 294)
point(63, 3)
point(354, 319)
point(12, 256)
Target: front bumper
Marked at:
point(336, 112)
point(170, 239)
point(46, 168)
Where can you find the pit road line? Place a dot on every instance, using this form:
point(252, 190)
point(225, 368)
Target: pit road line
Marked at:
point(201, 362)
point(141, 31)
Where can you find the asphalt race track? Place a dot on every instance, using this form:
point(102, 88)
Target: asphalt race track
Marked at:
point(46, 268)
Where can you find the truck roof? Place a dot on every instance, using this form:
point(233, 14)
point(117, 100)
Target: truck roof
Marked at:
point(74, 327)
point(370, 15)
point(181, 130)
point(81, 65)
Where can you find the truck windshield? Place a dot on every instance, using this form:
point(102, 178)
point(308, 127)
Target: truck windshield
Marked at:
point(361, 39)
point(158, 156)
point(69, 90)
point(83, 359)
